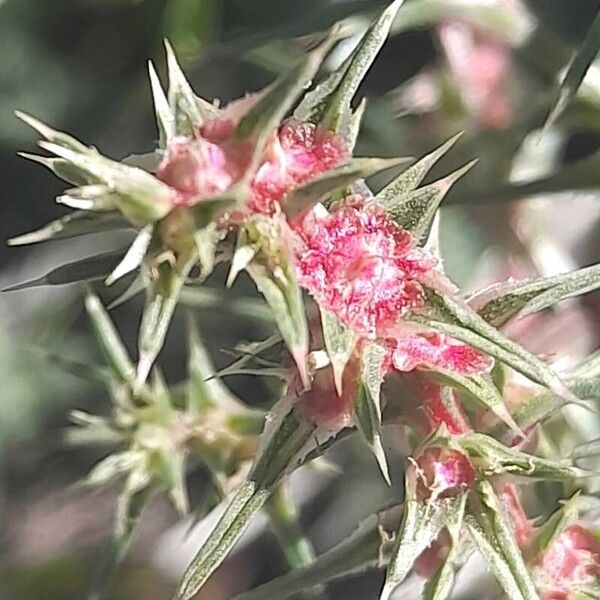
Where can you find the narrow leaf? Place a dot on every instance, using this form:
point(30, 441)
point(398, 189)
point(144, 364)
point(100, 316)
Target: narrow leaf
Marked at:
point(91, 268)
point(134, 256)
point(340, 342)
point(165, 119)
point(72, 225)
point(308, 194)
point(407, 182)
point(367, 407)
point(109, 341)
point(416, 212)
point(576, 70)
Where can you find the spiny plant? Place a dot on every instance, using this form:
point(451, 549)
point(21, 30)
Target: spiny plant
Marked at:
point(370, 332)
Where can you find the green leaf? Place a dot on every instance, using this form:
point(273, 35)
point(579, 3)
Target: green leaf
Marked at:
point(59, 138)
point(340, 342)
point(161, 300)
point(400, 188)
point(329, 102)
point(439, 587)
point(272, 270)
point(207, 240)
point(111, 467)
point(281, 442)
point(496, 458)
point(109, 341)
point(416, 212)
point(467, 326)
point(165, 119)
point(91, 268)
point(591, 448)
point(61, 168)
point(420, 526)
point(134, 256)
point(95, 197)
point(494, 538)
point(367, 406)
point(500, 302)
point(556, 523)
point(483, 391)
point(308, 194)
point(283, 517)
point(368, 547)
point(205, 391)
point(275, 102)
point(188, 110)
point(576, 70)
point(72, 225)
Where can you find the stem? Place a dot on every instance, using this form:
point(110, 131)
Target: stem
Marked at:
point(297, 548)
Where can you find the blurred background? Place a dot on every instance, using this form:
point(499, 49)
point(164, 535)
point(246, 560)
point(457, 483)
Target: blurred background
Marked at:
point(530, 206)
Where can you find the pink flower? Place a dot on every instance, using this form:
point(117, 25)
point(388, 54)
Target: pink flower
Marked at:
point(435, 350)
point(572, 561)
point(215, 158)
point(356, 262)
point(298, 152)
point(443, 473)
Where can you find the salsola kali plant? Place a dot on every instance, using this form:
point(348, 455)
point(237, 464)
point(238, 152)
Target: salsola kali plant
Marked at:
point(269, 183)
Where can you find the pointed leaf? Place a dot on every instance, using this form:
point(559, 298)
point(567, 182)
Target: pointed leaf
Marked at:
point(367, 407)
point(467, 326)
point(109, 341)
point(500, 302)
point(330, 102)
point(416, 212)
point(439, 587)
point(95, 197)
point(134, 256)
point(421, 524)
point(56, 137)
point(340, 342)
point(161, 300)
point(308, 194)
point(72, 225)
point(189, 110)
point(91, 268)
point(165, 119)
point(483, 391)
point(586, 450)
point(577, 69)
point(556, 523)
point(494, 537)
point(400, 188)
point(278, 454)
point(496, 458)
point(368, 547)
point(61, 168)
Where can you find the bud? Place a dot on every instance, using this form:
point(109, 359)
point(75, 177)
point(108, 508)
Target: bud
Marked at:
point(443, 473)
point(571, 562)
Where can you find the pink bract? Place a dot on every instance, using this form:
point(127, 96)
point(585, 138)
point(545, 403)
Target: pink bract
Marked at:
point(298, 152)
point(443, 473)
point(572, 561)
point(356, 262)
point(435, 350)
point(212, 161)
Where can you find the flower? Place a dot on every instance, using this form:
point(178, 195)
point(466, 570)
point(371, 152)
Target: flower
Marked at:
point(443, 473)
point(298, 152)
point(435, 350)
point(356, 262)
point(215, 158)
point(572, 561)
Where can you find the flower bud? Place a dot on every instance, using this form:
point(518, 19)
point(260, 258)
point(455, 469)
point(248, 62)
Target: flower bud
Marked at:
point(443, 473)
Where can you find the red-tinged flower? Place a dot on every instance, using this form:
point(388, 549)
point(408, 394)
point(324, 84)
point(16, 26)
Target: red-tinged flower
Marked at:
point(356, 262)
point(215, 158)
point(443, 473)
point(298, 152)
point(323, 406)
point(571, 562)
point(442, 407)
point(196, 169)
point(435, 350)
point(522, 526)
